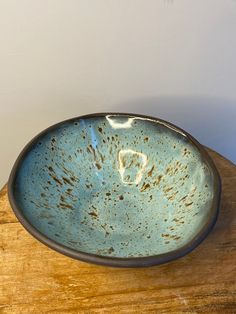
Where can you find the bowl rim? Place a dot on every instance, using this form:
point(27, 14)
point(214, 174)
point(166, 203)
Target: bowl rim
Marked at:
point(109, 260)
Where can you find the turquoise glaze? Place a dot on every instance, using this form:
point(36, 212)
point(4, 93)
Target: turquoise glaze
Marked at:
point(115, 185)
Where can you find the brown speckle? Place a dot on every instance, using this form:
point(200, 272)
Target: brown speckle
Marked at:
point(183, 198)
point(172, 197)
point(98, 165)
point(110, 250)
point(67, 181)
point(188, 204)
point(56, 180)
point(144, 187)
point(92, 150)
point(168, 189)
point(165, 235)
point(121, 197)
point(167, 170)
point(64, 205)
point(62, 198)
point(159, 178)
point(93, 214)
point(150, 172)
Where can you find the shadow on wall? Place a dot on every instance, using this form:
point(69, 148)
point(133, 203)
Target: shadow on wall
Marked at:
point(211, 121)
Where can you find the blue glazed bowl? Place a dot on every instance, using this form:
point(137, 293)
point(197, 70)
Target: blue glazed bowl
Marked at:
point(116, 189)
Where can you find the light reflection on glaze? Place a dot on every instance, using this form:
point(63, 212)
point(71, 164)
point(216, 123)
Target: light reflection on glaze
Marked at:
point(126, 124)
point(135, 164)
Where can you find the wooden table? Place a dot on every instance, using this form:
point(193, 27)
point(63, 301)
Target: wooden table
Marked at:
point(35, 279)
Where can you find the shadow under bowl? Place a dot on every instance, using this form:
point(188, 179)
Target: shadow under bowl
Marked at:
point(116, 189)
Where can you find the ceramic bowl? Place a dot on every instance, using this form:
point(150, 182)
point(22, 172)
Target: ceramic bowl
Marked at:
point(116, 189)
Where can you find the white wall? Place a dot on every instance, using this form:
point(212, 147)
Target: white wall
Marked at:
point(63, 58)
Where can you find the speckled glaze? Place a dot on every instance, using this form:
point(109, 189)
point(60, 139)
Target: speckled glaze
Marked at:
point(116, 189)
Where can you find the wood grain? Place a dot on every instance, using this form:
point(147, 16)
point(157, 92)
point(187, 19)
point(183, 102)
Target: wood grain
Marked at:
point(35, 279)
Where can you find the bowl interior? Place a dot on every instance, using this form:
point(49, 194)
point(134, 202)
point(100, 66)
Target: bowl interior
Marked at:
point(115, 185)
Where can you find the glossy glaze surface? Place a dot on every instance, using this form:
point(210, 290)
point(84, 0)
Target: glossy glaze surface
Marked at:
point(115, 185)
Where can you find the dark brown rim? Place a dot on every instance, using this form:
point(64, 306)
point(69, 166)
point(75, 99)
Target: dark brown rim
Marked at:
point(116, 261)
